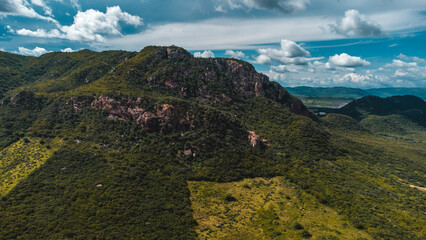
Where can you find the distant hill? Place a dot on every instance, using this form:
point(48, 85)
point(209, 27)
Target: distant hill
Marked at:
point(388, 92)
point(335, 92)
point(412, 107)
point(354, 93)
point(336, 97)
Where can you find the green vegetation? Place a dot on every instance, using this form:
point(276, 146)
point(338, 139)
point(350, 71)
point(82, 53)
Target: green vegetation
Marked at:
point(273, 208)
point(174, 129)
point(338, 96)
point(389, 92)
point(411, 107)
point(20, 159)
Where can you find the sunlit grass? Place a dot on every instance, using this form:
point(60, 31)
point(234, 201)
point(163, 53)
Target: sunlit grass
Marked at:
point(263, 208)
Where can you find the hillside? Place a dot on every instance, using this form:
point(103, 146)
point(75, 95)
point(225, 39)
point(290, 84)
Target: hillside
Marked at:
point(389, 92)
point(122, 145)
point(339, 96)
point(411, 107)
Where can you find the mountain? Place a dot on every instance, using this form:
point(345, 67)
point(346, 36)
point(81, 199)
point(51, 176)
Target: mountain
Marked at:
point(335, 92)
point(337, 97)
point(388, 92)
point(412, 107)
point(149, 145)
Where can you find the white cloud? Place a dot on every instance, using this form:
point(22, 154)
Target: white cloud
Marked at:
point(55, 33)
point(41, 3)
point(400, 64)
point(263, 59)
point(318, 73)
point(289, 49)
point(356, 24)
point(67, 50)
point(284, 69)
point(410, 73)
point(235, 54)
point(37, 51)
point(21, 8)
point(205, 54)
point(345, 60)
point(290, 53)
point(356, 78)
point(91, 25)
point(284, 6)
point(414, 59)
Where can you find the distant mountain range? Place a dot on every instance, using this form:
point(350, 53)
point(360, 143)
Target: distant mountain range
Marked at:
point(354, 93)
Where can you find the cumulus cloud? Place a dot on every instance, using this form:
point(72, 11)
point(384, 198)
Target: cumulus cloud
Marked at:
point(400, 64)
point(290, 53)
point(284, 6)
point(414, 59)
point(37, 51)
point(235, 54)
point(55, 33)
point(357, 78)
point(90, 25)
point(284, 69)
point(23, 8)
point(345, 60)
point(356, 24)
point(289, 49)
point(67, 50)
point(205, 54)
point(411, 73)
point(263, 59)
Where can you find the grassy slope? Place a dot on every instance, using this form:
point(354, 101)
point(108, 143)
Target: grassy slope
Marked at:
point(265, 208)
point(20, 159)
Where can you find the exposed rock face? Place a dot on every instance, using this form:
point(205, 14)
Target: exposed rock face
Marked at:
point(252, 84)
point(173, 53)
point(221, 81)
point(166, 118)
point(255, 140)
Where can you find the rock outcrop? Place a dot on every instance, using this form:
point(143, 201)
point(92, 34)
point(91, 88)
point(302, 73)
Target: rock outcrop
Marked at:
point(256, 141)
point(164, 118)
point(216, 80)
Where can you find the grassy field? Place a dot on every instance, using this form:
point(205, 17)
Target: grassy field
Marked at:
point(313, 102)
point(265, 208)
point(20, 159)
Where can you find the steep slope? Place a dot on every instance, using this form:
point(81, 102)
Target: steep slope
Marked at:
point(134, 135)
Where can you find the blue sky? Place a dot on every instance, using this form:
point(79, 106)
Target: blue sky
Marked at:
point(363, 43)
